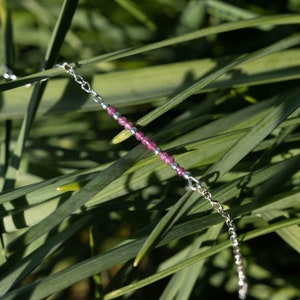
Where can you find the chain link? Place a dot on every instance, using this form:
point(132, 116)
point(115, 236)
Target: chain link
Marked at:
point(80, 80)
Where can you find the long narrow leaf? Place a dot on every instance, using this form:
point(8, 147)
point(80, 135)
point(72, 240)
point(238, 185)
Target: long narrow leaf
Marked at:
point(55, 43)
point(196, 87)
point(16, 273)
point(257, 133)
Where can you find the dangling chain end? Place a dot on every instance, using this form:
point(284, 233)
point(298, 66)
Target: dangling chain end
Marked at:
point(196, 186)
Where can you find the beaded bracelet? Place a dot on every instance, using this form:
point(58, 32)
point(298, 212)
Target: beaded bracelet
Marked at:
point(193, 183)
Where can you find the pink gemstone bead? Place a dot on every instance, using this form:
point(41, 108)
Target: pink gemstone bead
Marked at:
point(168, 159)
point(128, 125)
point(152, 146)
point(111, 110)
point(139, 135)
point(122, 121)
point(180, 171)
point(125, 123)
point(145, 141)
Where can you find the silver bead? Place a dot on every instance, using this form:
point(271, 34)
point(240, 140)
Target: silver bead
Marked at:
point(133, 130)
point(157, 151)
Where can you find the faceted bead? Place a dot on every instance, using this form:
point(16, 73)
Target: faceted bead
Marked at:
point(139, 135)
point(162, 155)
point(122, 121)
point(152, 146)
point(168, 159)
point(145, 141)
point(180, 171)
point(111, 110)
point(128, 125)
point(125, 123)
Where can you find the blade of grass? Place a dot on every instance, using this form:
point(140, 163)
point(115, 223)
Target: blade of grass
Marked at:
point(200, 84)
point(193, 260)
point(187, 277)
point(167, 221)
point(7, 45)
point(150, 83)
point(270, 20)
point(256, 22)
point(257, 133)
point(60, 30)
point(7, 64)
point(41, 12)
point(228, 12)
point(24, 266)
point(76, 201)
point(291, 234)
point(137, 13)
point(56, 282)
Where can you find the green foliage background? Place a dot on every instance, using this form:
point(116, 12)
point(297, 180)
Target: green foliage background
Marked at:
point(216, 83)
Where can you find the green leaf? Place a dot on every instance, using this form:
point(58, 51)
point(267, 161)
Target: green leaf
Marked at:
point(257, 133)
point(177, 210)
point(203, 82)
point(136, 12)
point(194, 259)
point(76, 201)
point(55, 43)
point(18, 271)
point(187, 277)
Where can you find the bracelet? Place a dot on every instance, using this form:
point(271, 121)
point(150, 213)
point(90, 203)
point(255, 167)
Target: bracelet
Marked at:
point(193, 183)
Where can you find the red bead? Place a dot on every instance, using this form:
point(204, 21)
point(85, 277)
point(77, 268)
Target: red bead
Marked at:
point(111, 110)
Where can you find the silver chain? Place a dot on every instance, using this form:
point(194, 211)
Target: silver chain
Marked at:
point(194, 183)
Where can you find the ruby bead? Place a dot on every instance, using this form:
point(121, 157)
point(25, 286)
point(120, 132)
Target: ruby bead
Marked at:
point(111, 110)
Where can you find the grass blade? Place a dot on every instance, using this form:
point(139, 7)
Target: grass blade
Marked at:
point(55, 43)
point(257, 133)
point(177, 210)
point(76, 201)
point(24, 266)
point(193, 89)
